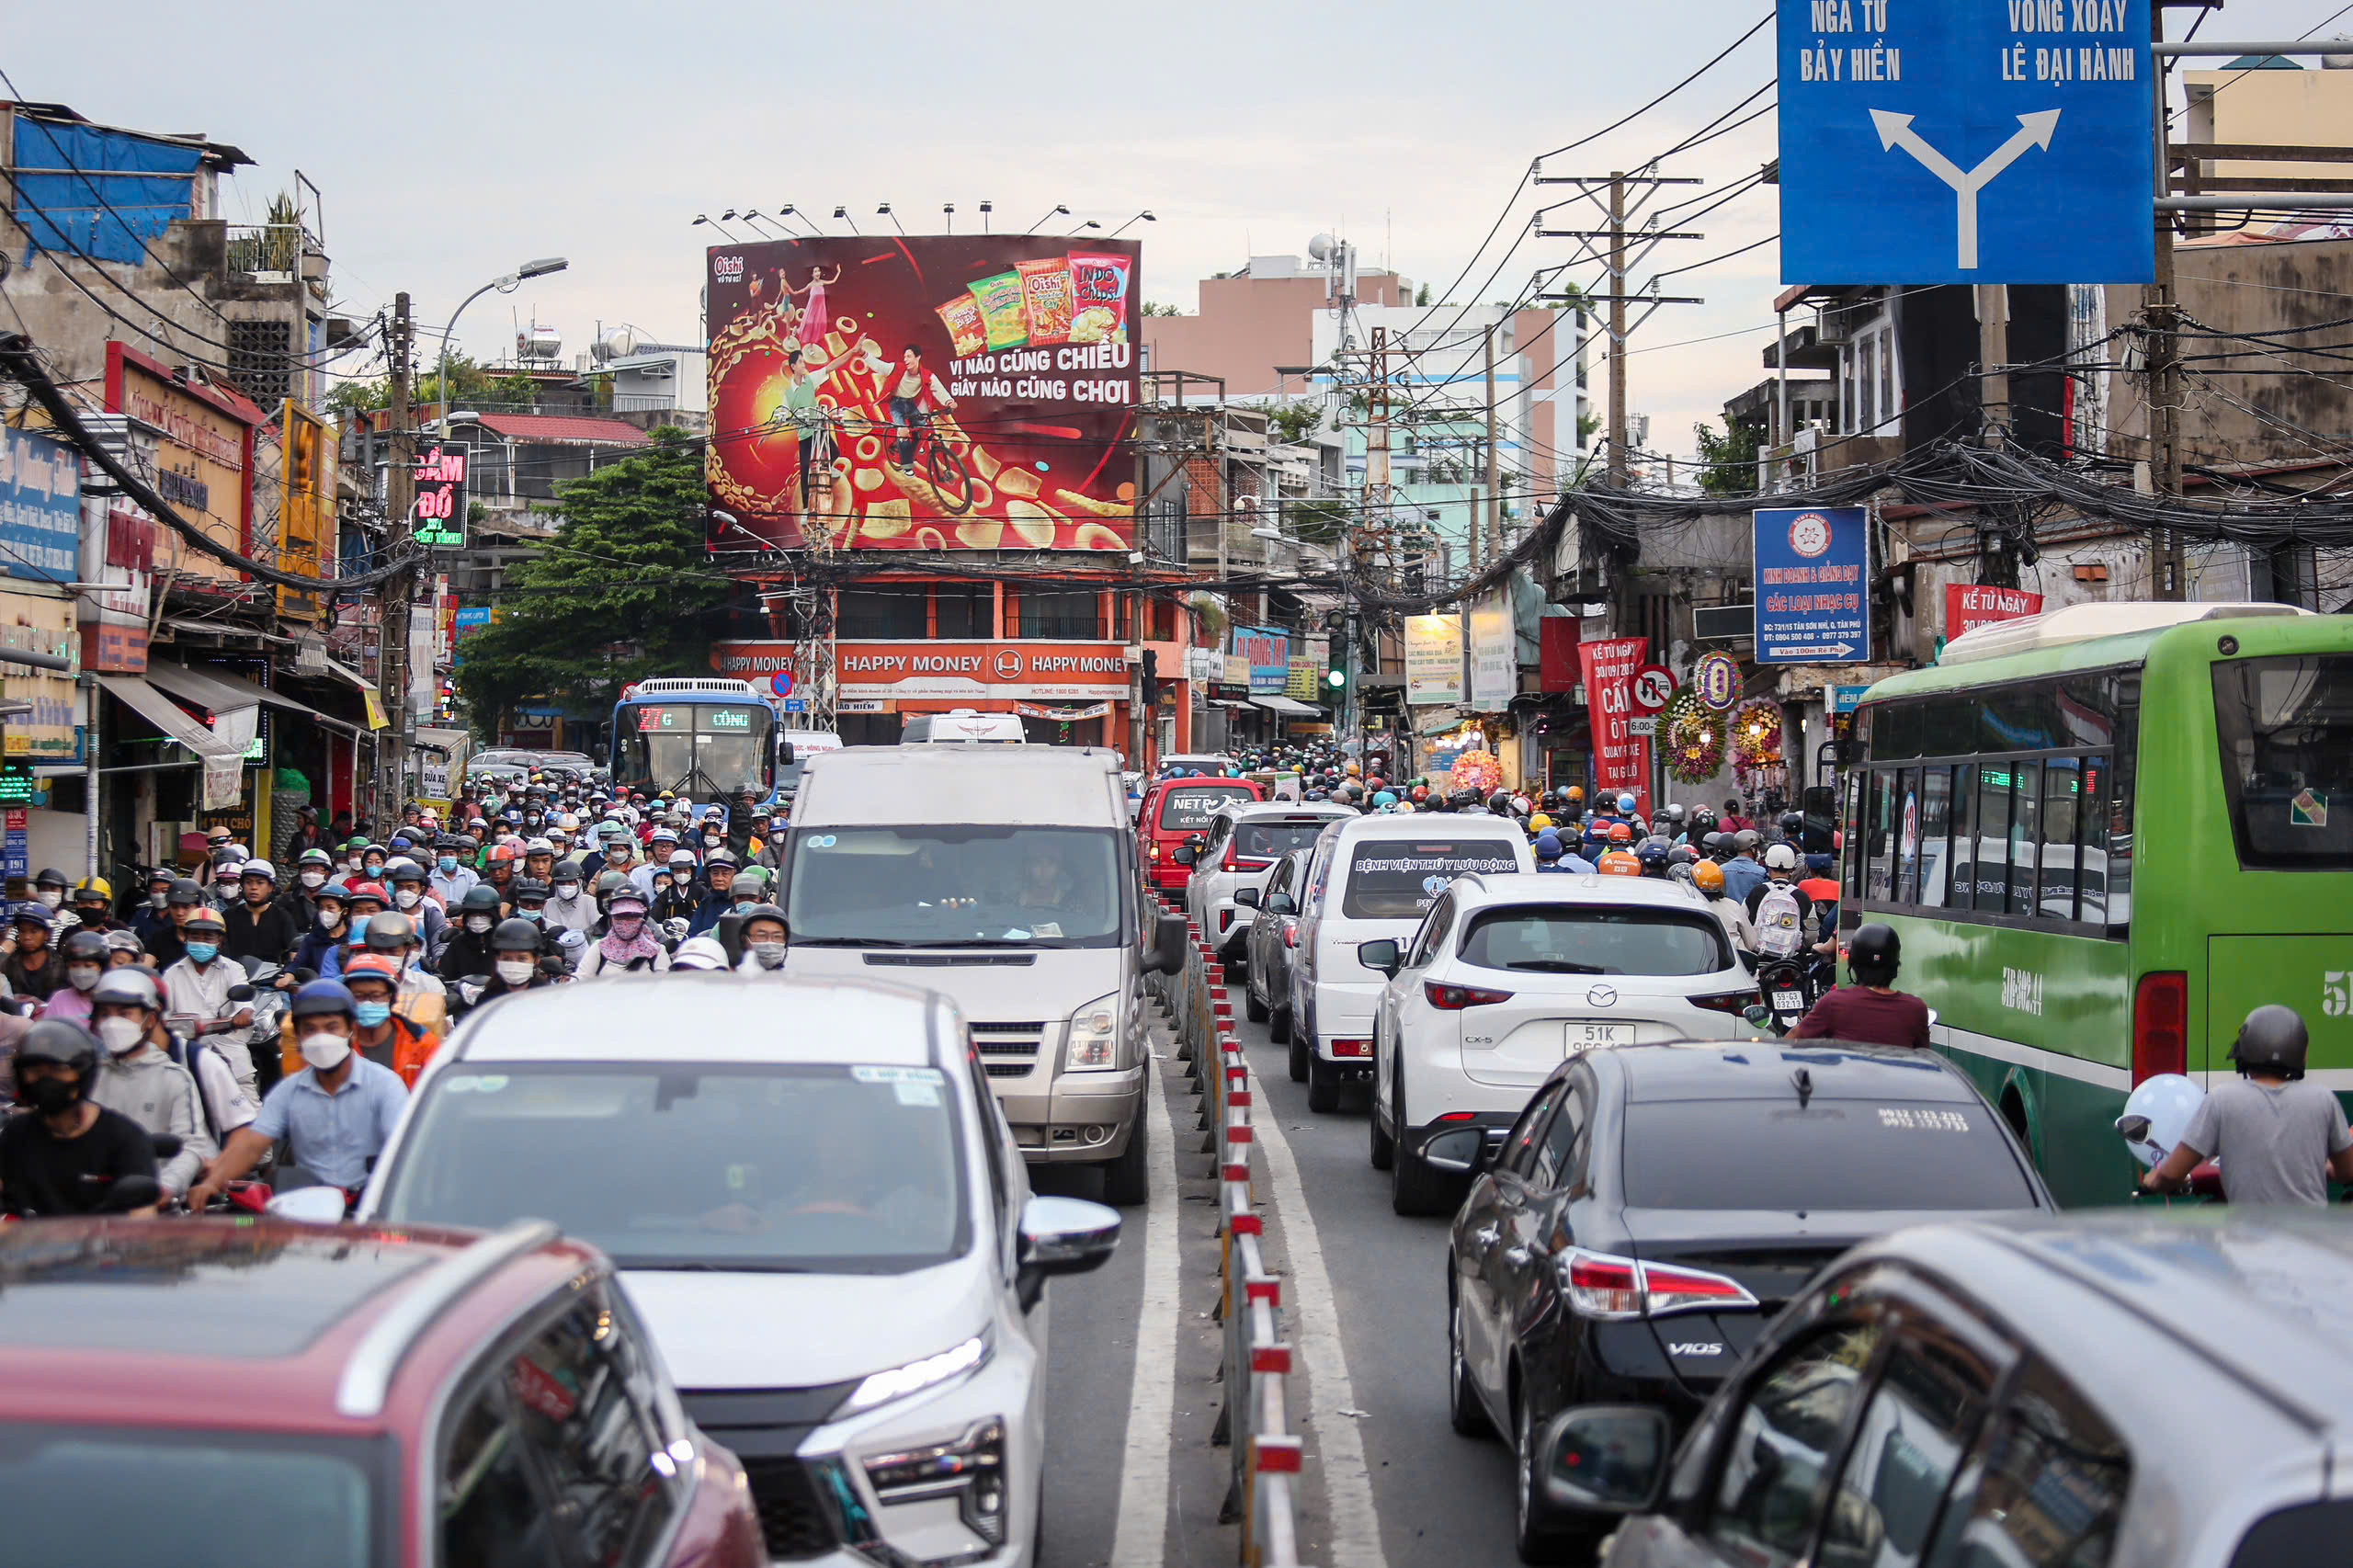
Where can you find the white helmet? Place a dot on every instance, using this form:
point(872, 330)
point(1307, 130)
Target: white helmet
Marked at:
point(699, 952)
point(258, 868)
point(538, 846)
point(1781, 857)
point(569, 822)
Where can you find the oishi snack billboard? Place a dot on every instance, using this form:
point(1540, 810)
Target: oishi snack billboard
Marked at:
point(935, 393)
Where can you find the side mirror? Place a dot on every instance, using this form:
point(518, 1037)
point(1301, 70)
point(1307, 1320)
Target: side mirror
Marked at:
point(310, 1205)
point(1381, 954)
point(1282, 903)
point(1248, 898)
point(784, 754)
point(1061, 1236)
point(1167, 955)
point(241, 994)
point(1462, 1150)
point(1610, 1458)
point(1183, 855)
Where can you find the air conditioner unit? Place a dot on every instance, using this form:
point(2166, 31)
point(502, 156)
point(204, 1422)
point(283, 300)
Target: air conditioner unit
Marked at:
point(1724, 624)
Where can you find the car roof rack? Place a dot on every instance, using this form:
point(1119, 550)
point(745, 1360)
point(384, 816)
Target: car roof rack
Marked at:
point(368, 1377)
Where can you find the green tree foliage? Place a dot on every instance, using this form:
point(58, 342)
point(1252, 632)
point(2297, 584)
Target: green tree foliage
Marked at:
point(1289, 422)
point(1424, 297)
point(623, 592)
point(1727, 459)
point(470, 387)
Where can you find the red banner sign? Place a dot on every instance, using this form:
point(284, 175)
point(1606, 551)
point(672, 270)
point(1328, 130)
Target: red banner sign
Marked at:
point(1622, 759)
point(1970, 606)
point(1556, 645)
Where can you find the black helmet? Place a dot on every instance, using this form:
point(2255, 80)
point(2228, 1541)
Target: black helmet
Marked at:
point(1874, 953)
point(389, 931)
point(185, 891)
point(481, 899)
point(2272, 1040)
point(85, 944)
point(765, 912)
point(516, 936)
point(527, 887)
point(50, 876)
point(66, 1043)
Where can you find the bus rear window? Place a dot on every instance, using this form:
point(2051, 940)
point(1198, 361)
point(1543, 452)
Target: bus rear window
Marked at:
point(2287, 748)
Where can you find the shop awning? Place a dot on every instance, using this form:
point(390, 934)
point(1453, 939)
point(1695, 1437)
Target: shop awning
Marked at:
point(216, 690)
point(376, 719)
point(1289, 708)
point(169, 717)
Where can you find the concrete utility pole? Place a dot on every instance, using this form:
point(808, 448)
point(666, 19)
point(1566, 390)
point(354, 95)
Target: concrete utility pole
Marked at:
point(1494, 465)
point(1617, 435)
point(2161, 385)
point(392, 632)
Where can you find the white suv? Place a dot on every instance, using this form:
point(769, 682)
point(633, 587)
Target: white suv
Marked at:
point(1510, 976)
point(819, 1210)
point(1240, 849)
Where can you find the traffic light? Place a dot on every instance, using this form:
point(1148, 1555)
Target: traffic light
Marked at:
point(1336, 679)
point(1151, 677)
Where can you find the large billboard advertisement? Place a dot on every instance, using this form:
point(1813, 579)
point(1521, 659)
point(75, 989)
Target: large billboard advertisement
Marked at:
point(196, 443)
point(940, 392)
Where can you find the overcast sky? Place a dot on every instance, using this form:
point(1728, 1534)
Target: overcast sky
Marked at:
point(452, 141)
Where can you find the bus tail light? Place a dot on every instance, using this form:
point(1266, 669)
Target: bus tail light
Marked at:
point(2161, 1024)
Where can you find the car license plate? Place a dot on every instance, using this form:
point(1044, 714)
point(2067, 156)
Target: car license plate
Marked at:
point(1585, 1037)
point(1789, 1001)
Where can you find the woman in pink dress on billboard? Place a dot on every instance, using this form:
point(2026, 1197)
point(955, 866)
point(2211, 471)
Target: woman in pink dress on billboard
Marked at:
point(814, 322)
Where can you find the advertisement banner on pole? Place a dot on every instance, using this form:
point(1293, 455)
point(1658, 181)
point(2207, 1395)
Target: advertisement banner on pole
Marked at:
point(972, 391)
point(1433, 660)
point(1622, 759)
point(1494, 655)
point(1268, 653)
point(1970, 606)
point(1813, 594)
point(440, 513)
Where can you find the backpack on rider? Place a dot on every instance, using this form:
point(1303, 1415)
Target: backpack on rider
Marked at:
point(1780, 924)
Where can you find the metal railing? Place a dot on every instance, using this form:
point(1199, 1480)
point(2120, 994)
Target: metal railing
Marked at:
point(1254, 1426)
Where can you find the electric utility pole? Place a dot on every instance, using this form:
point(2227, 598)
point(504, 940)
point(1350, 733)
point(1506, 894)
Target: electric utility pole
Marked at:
point(1495, 491)
point(392, 629)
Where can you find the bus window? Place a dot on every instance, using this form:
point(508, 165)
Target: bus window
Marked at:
point(1907, 835)
point(1948, 727)
point(1879, 883)
point(2091, 857)
point(2026, 820)
point(1994, 836)
point(1960, 884)
point(2287, 734)
point(1851, 853)
point(2063, 782)
point(2124, 781)
point(1935, 808)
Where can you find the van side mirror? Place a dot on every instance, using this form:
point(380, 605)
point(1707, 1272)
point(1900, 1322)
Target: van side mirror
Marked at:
point(1167, 954)
point(1248, 898)
point(1610, 1458)
point(1381, 954)
point(1183, 855)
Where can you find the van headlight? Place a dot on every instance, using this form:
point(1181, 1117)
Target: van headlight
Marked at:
point(898, 1383)
point(1095, 1035)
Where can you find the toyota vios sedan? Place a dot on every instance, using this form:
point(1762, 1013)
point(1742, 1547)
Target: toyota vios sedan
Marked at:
point(1509, 976)
point(1655, 1206)
point(818, 1208)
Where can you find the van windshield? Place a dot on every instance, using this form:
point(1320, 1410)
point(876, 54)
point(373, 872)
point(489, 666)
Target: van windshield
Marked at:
point(955, 887)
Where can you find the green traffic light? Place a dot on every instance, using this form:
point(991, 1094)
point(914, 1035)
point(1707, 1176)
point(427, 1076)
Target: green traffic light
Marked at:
point(1336, 679)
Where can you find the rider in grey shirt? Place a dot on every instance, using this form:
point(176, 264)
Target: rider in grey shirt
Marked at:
point(2278, 1136)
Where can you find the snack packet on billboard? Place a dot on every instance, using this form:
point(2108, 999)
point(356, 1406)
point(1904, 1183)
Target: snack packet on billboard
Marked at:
point(999, 300)
point(1046, 294)
point(961, 316)
point(1099, 298)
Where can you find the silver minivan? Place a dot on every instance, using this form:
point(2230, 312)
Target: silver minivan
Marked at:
point(1005, 877)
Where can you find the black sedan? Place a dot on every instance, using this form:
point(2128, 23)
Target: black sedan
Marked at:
point(1631, 1235)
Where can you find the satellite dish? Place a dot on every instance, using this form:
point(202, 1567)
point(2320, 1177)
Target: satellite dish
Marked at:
point(1320, 247)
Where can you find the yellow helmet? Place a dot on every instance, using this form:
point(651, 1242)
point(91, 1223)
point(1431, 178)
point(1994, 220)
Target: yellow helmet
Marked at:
point(1538, 822)
point(1709, 878)
point(97, 885)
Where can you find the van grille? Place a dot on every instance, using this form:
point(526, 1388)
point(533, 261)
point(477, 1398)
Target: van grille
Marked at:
point(1009, 1050)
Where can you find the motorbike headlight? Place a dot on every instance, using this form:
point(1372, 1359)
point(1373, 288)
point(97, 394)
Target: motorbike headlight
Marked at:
point(882, 1388)
point(1095, 1035)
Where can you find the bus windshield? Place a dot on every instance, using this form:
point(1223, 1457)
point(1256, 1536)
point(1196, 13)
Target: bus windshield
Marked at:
point(702, 749)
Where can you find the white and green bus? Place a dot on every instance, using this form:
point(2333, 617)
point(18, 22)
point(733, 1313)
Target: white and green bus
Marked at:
point(2105, 834)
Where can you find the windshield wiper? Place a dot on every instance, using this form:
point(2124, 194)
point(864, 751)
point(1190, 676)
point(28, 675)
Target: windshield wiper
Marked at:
point(800, 941)
point(1557, 966)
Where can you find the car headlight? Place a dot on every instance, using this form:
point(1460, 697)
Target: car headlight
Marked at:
point(1095, 1035)
point(882, 1388)
point(969, 1468)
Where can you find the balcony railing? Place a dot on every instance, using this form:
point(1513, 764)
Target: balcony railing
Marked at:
point(265, 247)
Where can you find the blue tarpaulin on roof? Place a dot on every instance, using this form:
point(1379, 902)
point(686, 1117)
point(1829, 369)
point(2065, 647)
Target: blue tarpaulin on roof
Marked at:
point(98, 193)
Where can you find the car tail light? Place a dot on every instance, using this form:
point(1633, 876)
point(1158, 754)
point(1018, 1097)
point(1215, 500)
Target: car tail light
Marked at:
point(1351, 1048)
point(1454, 998)
point(1229, 863)
point(1601, 1286)
point(1726, 1002)
point(2161, 1024)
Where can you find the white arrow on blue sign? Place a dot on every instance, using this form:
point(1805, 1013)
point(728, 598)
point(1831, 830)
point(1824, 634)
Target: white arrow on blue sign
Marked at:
point(1966, 141)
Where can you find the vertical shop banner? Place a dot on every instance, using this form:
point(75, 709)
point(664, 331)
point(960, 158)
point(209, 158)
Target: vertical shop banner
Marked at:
point(41, 506)
point(439, 516)
point(41, 622)
point(1970, 606)
point(198, 443)
point(1622, 759)
point(224, 771)
point(1495, 654)
point(306, 506)
point(1309, 657)
point(16, 851)
point(973, 391)
point(1268, 649)
point(1434, 659)
point(1813, 593)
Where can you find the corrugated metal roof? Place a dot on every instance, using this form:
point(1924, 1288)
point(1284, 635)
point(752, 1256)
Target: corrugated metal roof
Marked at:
point(563, 429)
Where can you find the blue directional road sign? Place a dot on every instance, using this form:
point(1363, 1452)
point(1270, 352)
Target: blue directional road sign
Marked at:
point(1966, 141)
point(1813, 597)
point(796, 705)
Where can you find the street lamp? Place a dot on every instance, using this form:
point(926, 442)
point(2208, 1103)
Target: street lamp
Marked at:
point(1145, 217)
point(1059, 212)
point(950, 209)
point(506, 283)
point(884, 212)
point(701, 218)
point(843, 213)
point(986, 208)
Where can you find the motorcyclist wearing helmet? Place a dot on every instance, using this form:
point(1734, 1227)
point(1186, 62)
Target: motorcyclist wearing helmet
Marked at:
point(66, 1156)
point(94, 905)
point(321, 948)
point(85, 953)
point(1743, 874)
point(2278, 1135)
point(514, 962)
point(627, 944)
point(380, 1033)
point(699, 952)
point(32, 967)
point(1870, 1011)
point(1709, 878)
point(145, 1082)
point(468, 952)
point(679, 898)
point(719, 875)
point(1780, 871)
point(127, 1007)
point(1652, 853)
point(451, 876)
point(765, 936)
point(197, 989)
point(257, 925)
point(411, 897)
point(569, 906)
point(335, 1115)
point(154, 915)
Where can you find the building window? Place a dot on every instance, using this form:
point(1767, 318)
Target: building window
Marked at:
point(888, 613)
point(1059, 612)
point(964, 610)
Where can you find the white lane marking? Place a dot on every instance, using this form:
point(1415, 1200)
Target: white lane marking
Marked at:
point(1348, 1485)
point(1141, 1539)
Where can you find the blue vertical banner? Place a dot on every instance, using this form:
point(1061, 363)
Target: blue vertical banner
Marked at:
point(41, 506)
point(1813, 585)
point(1967, 141)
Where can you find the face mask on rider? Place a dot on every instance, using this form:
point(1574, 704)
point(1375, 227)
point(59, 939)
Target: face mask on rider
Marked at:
point(447, 863)
point(371, 1014)
point(55, 896)
point(627, 926)
point(770, 954)
point(315, 879)
point(155, 900)
point(567, 891)
point(203, 952)
point(48, 1095)
point(407, 897)
point(478, 923)
point(120, 1036)
point(81, 976)
point(515, 972)
point(324, 1051)
point(330, 918)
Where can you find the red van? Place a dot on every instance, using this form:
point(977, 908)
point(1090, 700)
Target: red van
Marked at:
point(1174, 810)
point(384, 1395)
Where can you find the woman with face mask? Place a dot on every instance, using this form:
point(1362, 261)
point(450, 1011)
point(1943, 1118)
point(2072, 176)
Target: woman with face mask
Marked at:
point(86, 959)
point(628, 943)
point(320, 950)
point(514, 965)
point(144, 1082)
point(127, 1007)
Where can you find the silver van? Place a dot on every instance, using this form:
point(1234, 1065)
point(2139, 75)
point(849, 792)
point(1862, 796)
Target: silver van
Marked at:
point(1005, 877)
point(965, 726)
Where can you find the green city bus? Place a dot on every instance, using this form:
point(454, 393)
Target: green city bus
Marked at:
point(2105, 834)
